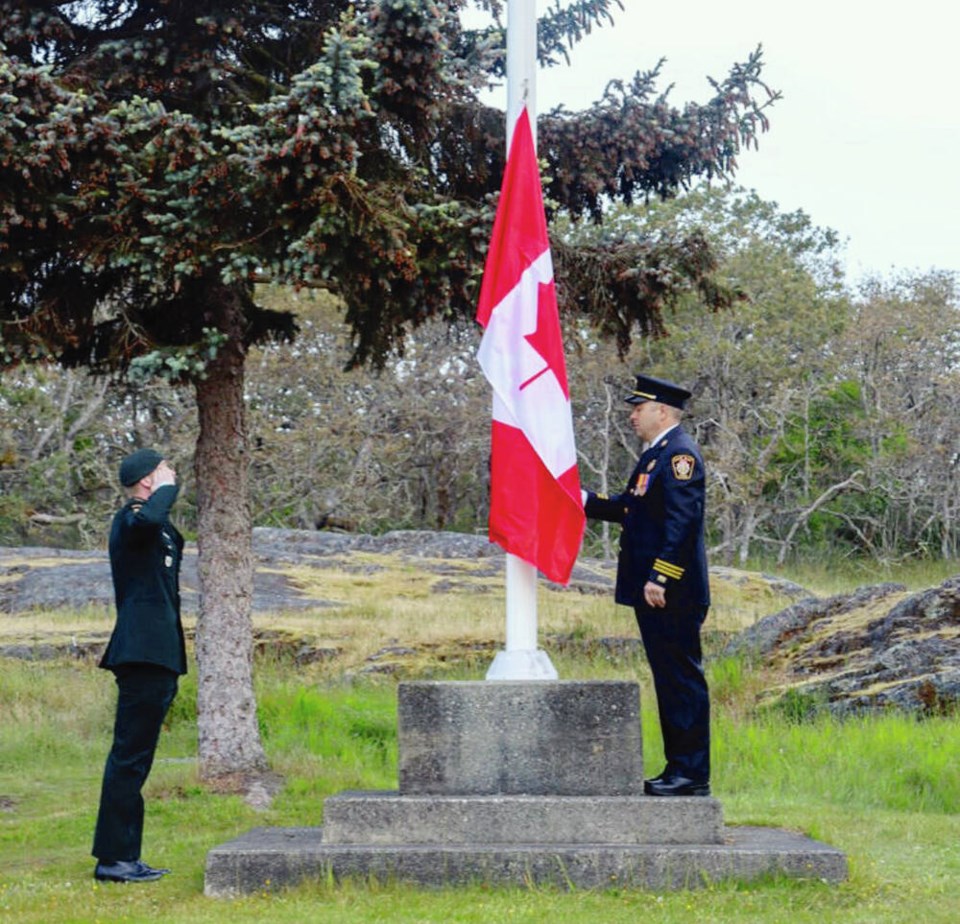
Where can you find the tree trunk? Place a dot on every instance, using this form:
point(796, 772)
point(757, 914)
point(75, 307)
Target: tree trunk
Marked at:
point(229, 737)
point(748, 526)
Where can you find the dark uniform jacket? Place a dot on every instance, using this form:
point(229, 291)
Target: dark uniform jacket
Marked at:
point(145, 553)
point(662, 512)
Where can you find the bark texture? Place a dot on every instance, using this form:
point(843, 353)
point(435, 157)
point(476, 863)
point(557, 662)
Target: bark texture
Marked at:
point(229, 736)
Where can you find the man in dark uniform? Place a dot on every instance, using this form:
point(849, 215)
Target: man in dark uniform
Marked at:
point(146, 654)
point(662, 574)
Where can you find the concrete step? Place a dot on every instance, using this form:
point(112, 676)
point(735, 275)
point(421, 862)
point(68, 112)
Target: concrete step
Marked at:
point(274, 858)
point(388, 818)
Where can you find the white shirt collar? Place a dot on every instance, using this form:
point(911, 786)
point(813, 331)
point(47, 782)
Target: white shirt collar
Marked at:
point(660, 436)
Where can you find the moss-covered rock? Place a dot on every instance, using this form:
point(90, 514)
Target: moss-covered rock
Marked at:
point(879, 647)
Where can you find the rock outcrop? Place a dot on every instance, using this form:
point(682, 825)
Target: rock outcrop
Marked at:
point(879, 647)
point(49, 579)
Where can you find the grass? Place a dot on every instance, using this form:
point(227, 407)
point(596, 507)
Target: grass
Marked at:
point(885, 789)
point(826, 576)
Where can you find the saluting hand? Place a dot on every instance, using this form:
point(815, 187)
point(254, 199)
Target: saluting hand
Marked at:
point(164, 474)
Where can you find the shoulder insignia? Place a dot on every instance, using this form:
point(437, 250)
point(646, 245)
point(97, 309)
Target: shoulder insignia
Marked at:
point(136, 507)
point(683, 467)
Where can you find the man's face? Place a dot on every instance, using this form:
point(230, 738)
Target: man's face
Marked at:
point(647, 419)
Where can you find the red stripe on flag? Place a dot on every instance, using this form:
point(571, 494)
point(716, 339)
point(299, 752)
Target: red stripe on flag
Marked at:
point(520, 226)
point(532, 514)
point(535, 508)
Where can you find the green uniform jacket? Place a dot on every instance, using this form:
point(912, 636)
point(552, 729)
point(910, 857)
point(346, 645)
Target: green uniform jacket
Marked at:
point(145, 553)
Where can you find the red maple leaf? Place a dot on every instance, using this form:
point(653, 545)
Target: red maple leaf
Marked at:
point(546, 339)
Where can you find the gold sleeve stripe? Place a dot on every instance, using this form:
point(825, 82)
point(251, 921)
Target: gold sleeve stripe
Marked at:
point(671, 571)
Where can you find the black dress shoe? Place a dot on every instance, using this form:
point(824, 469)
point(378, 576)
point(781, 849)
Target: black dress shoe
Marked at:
point(675, 786)
point(127, 871)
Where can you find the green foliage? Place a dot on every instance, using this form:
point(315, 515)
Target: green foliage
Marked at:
point(13, 514)
point(829, 418)
point(175, 365)
point(797, 706)
point(885, 789)
point(157, 162)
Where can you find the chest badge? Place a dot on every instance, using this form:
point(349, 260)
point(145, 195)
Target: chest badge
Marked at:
point(651, 465)
point(643, 482)
point(683, 467)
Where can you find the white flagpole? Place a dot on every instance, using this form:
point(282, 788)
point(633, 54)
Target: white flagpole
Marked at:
point(521, 64)
point(522, 659)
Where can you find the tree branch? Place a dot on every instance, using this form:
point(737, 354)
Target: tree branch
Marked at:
point(805, 515)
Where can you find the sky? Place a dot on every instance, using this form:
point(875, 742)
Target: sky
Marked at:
point(866, 139)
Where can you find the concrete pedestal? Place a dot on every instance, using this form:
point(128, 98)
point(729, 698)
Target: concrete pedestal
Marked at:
point(518, 782)
point(517, 737)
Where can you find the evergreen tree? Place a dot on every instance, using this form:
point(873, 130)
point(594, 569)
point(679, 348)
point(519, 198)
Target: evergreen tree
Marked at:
point(158, 157)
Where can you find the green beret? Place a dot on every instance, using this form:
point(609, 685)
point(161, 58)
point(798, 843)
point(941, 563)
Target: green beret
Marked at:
point(138, 465)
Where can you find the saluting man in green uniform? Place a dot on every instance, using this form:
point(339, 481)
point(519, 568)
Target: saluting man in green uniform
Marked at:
point(146, 654)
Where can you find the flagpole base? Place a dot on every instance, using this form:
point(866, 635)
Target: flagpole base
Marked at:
point(524, 664)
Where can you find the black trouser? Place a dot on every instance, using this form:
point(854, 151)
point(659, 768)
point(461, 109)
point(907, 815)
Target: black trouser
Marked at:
point(672, 643)
point(145, 692)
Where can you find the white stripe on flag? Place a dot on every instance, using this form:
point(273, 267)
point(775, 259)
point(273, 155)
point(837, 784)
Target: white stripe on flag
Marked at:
point(540, 408)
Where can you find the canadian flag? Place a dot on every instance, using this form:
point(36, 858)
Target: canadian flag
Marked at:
point(535, 507)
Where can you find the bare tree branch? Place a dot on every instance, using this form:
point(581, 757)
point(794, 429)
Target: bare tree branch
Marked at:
point(832, 491)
